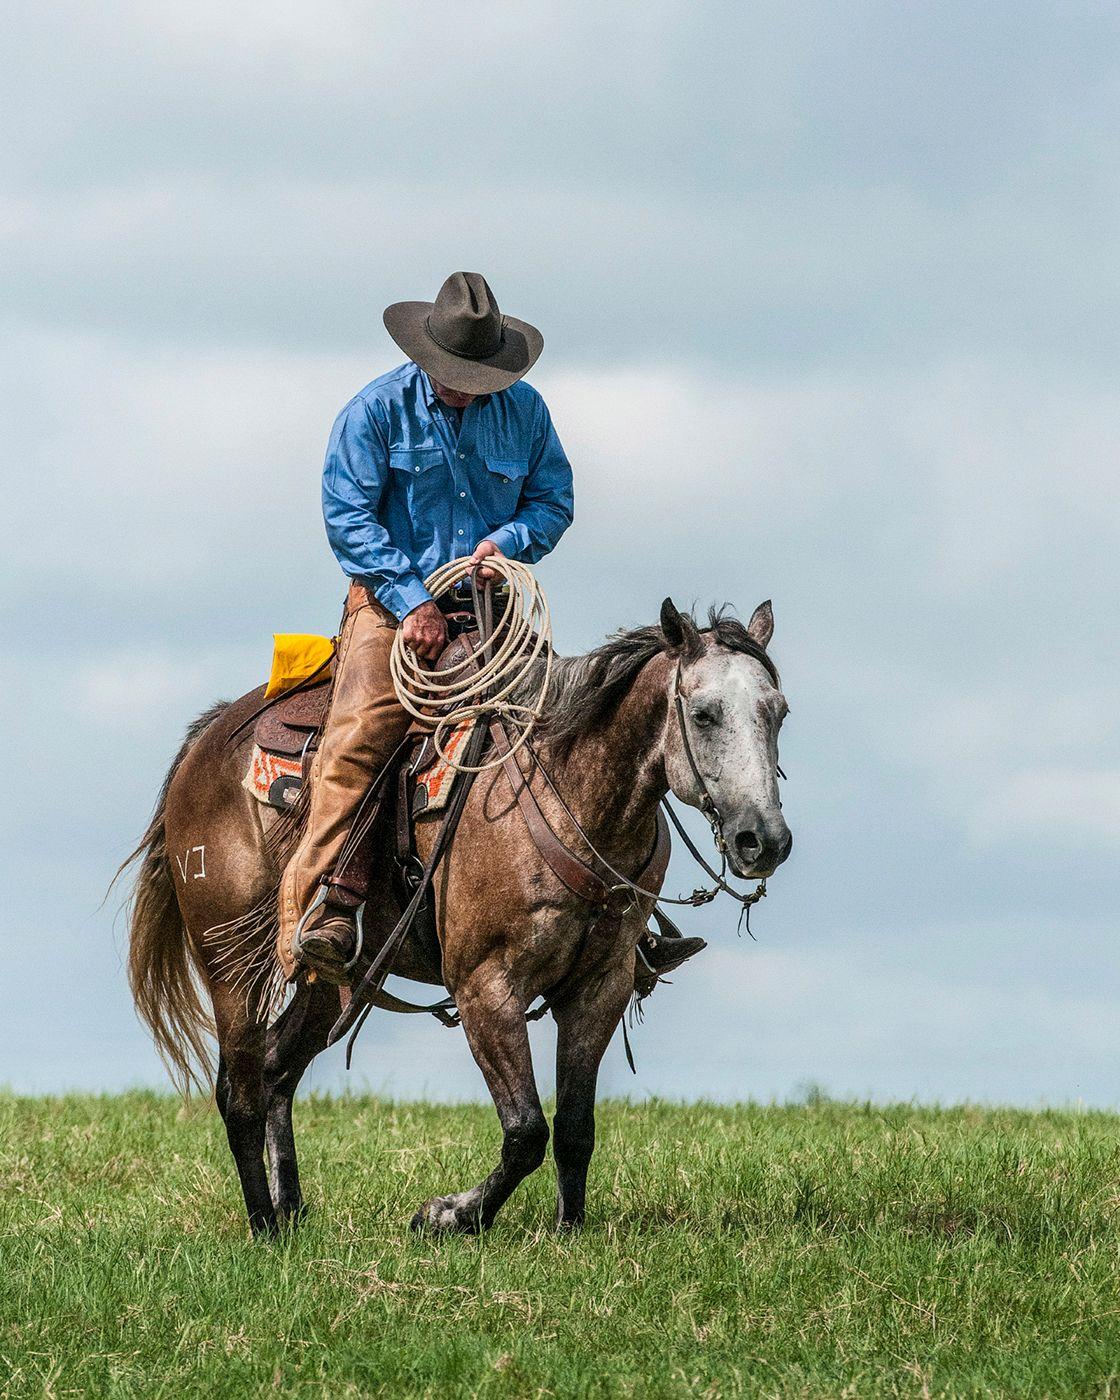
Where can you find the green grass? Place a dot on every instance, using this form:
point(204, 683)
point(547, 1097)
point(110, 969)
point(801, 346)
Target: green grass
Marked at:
point(817, 1250)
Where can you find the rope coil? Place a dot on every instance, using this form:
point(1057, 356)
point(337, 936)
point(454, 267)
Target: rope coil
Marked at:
point(481, 683)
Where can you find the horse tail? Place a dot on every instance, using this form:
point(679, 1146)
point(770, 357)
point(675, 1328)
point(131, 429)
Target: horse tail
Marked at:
point(162, 970)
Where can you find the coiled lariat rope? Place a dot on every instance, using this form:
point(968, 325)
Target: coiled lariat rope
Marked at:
point(482, 681)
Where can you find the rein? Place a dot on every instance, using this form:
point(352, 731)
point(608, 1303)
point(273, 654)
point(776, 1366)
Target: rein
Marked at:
point(697, 897)
point(708, 806)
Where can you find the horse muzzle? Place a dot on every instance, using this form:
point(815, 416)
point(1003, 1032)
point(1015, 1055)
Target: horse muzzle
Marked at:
point(757, 849)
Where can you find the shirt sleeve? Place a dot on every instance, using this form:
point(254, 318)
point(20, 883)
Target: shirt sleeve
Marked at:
point(544, 511)
point(355, 476)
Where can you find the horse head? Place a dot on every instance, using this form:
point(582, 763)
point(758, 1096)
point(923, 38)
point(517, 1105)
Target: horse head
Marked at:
point(721, 743)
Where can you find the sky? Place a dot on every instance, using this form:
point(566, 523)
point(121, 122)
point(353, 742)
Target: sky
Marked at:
point(830, 302)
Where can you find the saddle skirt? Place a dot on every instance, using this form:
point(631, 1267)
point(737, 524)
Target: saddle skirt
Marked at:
point(285, 737)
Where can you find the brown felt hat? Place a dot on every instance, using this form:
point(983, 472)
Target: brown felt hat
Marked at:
point(462, 340)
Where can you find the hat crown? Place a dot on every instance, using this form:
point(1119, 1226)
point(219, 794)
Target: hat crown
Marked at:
point(465, 318)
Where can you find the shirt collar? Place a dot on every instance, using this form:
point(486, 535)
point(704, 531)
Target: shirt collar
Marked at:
point(436, 405)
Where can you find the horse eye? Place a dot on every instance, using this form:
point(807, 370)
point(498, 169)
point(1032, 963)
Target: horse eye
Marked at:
point(705, 719)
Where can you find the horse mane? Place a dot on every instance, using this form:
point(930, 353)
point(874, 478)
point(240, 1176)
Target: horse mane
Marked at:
point(584, 691)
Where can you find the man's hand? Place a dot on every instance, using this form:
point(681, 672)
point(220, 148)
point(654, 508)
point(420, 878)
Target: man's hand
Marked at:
point(425, 631)
point(485, 550)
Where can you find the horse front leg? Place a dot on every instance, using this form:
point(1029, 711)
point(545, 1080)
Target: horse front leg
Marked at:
point(494, 1021)
point(294, 1040)
point(585, 1023)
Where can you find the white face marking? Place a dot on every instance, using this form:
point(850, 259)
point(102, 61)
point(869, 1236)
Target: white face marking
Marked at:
point(733, 712)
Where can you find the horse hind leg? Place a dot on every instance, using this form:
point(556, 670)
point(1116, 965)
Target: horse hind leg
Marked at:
point(494, 1021)
point(297, 1036)
point(241, 1102)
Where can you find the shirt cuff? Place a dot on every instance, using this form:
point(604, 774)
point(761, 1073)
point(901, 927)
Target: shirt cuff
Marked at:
point(510, 539)
point(402, 595)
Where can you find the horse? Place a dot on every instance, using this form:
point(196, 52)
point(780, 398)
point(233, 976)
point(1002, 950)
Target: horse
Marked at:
point(673, 707)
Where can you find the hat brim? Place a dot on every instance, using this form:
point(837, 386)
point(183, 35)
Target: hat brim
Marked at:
point(407, 323)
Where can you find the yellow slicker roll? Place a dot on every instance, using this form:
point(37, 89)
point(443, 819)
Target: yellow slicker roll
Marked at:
point(295, 656)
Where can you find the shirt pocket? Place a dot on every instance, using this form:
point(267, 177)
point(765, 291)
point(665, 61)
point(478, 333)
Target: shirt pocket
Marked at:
point(414, 474)
point(500, 488)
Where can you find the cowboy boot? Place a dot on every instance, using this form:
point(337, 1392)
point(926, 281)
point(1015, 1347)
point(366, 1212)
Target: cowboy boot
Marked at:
point(663, 954)
point(326, 941)
point(656, 954)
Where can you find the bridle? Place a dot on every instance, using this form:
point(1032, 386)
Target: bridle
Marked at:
point(707, 801)
point(701, 895)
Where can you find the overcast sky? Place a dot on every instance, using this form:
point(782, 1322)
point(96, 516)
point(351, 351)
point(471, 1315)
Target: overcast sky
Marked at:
point(830, 301)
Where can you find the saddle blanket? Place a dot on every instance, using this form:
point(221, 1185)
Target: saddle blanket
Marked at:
point(436, 783)
point(273, 779)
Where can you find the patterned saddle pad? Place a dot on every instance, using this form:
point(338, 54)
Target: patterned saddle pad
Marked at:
point(435, 781)
point(273, 779)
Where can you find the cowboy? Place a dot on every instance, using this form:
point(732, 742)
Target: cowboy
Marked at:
point(449, 455)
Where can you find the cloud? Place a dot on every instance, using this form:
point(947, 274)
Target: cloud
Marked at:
point(1023, 768)
point(1057, 809)
point(773, 186)
point(964, 726)
point(217, 451)
point(789, 91)
point(142, 684)
point(760, 280)
point(830, 303)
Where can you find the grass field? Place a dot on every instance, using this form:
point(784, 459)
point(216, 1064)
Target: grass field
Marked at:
point(821, 1249)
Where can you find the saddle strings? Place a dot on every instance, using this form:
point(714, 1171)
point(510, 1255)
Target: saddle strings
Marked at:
point(482, 682)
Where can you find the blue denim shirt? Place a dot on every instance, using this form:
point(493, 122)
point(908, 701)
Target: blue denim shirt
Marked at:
point(406, 488)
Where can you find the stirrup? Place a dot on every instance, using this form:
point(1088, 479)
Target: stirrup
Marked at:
point(297, 936)
point(360, 928)
point(653, 972)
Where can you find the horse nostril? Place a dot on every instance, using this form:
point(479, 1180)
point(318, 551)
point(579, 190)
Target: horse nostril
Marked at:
point(748, 845)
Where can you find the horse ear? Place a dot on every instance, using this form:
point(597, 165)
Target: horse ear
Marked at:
point(680, 631)
point(761, 626)
point(672, 624)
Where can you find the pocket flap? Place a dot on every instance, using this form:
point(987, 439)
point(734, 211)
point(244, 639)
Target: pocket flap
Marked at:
point(414, 459)
point(509, 469)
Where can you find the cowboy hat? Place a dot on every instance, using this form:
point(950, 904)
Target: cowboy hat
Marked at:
point(462, 340)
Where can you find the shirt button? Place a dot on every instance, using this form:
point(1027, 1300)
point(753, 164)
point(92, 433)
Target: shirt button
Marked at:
point(460, 532)
point(415, 469)
point(462, 495)
point(506, 480)
point(462, 456)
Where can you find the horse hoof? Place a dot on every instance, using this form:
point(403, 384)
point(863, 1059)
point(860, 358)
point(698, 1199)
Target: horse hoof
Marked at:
point(445, 1215)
